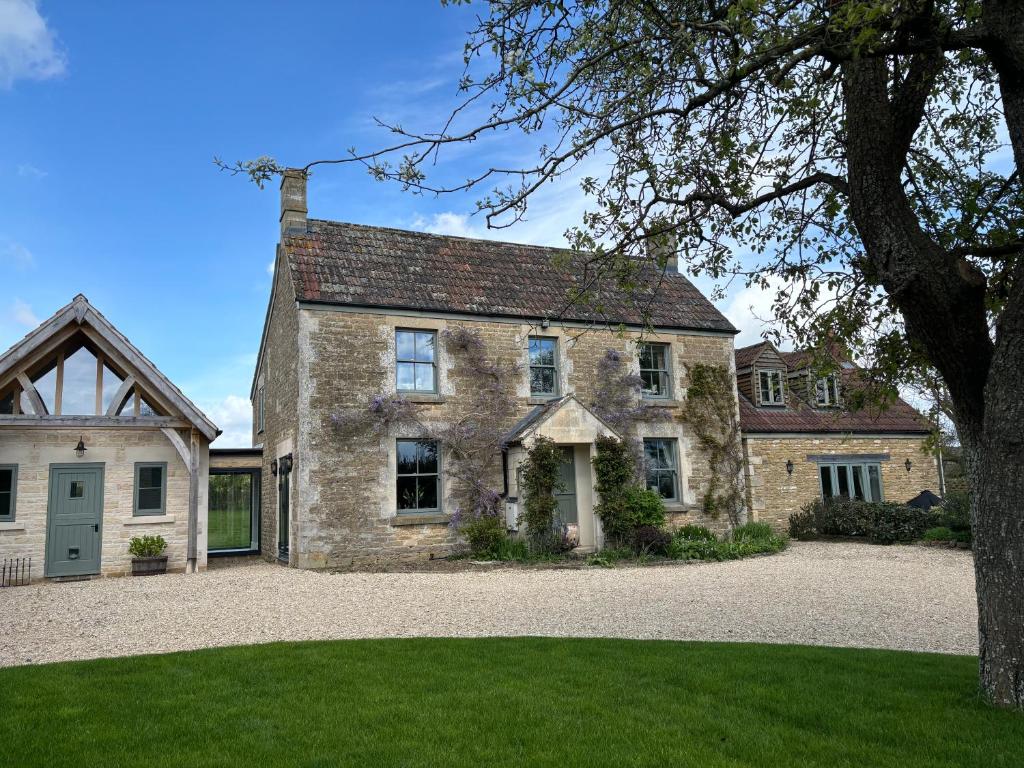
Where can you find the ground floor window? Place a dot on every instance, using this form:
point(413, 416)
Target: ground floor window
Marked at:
point(418, 476)
point(862, 482)
point(234, 510)
point(8, 490)
point(662, 474)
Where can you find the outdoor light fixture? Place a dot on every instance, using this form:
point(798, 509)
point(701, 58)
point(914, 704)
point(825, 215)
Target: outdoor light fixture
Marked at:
point(789, 466)
point(908, 464)
point(545, 323)
point(273, 467)
point(80, 448)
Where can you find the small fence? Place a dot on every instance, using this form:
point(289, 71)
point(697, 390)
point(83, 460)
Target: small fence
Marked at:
point(16, 572)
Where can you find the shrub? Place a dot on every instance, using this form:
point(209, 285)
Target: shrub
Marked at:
point(939, 533)
point(484, 534)
point(954, 512)
point(694, 533)
point(147, 546)
point(897, 522)
point(625, 512)
point(881, 522)
point(753, 532)
point(804, 524)
point(651, 540)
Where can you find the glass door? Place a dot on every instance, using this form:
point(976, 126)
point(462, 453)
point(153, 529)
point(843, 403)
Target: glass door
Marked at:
point(233, 522)
point(284, 470)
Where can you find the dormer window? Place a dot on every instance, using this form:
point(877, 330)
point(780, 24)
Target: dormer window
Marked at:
point(770, 382)
point(826, 391)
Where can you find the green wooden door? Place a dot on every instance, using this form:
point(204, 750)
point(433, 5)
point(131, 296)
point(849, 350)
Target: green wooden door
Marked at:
point(74, 520)
point(565, 495)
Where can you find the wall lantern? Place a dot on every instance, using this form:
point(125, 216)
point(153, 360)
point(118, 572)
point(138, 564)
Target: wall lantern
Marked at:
point(80, 448)
point(273, 467)
point(908, 464)
point(789, 466)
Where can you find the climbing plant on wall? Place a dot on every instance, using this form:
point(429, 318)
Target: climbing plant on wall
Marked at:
point(473, 442)
point(710, 411)
point(538, 483)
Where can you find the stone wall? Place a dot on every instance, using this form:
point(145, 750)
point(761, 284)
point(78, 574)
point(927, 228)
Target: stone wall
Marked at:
point(34, 449)
point(279, 374)
point(775, 495)
point(345, 513)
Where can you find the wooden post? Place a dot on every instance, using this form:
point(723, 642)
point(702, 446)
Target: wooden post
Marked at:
point(99, 385)
point(193, 502)
point(58, 393)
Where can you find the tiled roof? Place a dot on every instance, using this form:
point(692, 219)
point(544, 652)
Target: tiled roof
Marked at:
point(357, 265)
point(798, 416)
point(746, 355)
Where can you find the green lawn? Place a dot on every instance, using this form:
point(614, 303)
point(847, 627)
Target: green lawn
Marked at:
point(506, 702)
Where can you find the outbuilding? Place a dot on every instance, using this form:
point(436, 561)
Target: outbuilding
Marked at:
point(97, 446)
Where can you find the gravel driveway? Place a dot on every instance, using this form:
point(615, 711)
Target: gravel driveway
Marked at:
point(910, 598)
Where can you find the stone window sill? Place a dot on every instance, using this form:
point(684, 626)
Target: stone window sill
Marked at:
point(15, 526)
point(426, 519)
point(541, 400)
point(414, 397)
point(150, 520)
point(658, 402)
point(677, 508)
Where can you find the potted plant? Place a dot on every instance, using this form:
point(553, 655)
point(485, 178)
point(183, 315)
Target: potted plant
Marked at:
point(148, 558)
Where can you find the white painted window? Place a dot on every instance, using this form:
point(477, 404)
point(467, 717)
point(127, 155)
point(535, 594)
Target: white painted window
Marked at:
point(770, 382)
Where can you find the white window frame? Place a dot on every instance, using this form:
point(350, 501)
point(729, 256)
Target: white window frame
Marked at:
point(665, 373)
point(826, 391)
point(771, 373)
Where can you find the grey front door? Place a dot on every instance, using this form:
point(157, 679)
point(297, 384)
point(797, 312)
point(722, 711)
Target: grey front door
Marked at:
point(565, 495)
point(74, 527)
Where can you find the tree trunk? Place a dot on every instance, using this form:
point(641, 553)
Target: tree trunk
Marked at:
point(942, 301)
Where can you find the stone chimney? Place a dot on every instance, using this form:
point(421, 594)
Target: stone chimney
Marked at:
point(293, 201)
point(664, 248)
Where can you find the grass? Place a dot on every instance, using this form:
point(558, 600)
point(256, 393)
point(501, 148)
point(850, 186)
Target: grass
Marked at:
point(506, 702)
point(229, 528)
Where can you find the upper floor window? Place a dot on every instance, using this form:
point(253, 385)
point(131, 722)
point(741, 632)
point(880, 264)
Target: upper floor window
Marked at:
point(662, 469)
point(261, 405)
point(415, 360)
point(826, 390)
point(419, 476)
point(862, 482)
point(771, 386)
point(8, 491)
point(543, 366)
point(654, 373)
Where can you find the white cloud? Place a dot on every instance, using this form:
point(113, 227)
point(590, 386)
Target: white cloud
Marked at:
point(28, 48)
point(450, 223)
point(270, 267)
point(29, 171)
point(16, 320)
point(15, 254)
point(750, 310)
point(22, 314)
point(233, 415)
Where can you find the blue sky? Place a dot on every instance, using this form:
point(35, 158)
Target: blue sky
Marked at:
point(112, 112)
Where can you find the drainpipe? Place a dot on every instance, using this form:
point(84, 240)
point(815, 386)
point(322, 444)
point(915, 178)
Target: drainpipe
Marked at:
point(504, 472)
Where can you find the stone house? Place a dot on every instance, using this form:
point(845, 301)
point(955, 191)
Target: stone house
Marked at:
point(801, 444)
point(363, 319)
point(96, 446)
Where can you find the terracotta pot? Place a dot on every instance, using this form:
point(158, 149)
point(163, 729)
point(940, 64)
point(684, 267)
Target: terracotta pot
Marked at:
point(149, 566)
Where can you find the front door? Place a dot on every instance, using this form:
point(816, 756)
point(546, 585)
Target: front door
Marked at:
point(74, 520)
point(565, 494)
